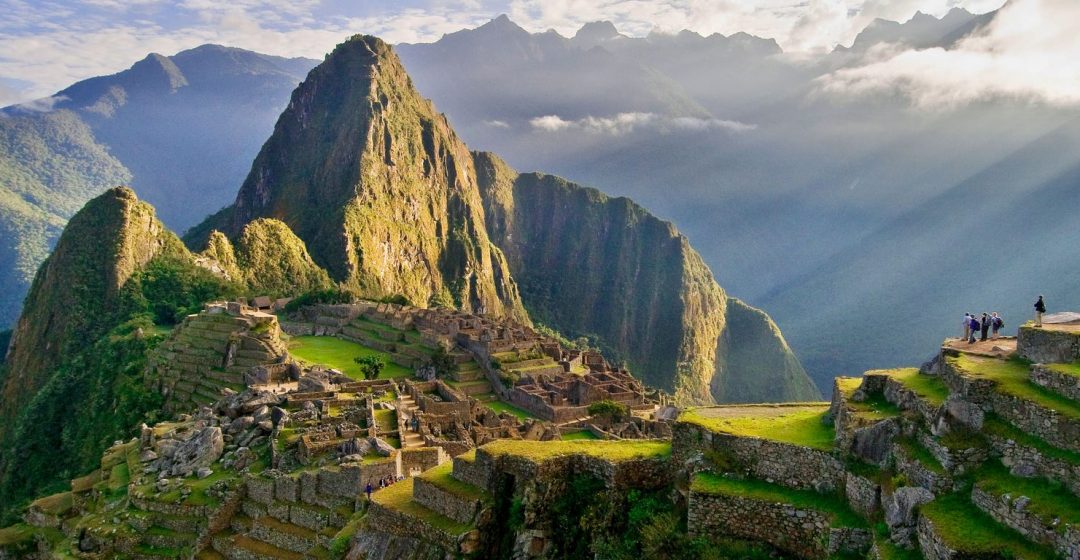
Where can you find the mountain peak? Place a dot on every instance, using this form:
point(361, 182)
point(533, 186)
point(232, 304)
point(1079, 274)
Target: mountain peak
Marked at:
point(598, 30)
point(501, 24)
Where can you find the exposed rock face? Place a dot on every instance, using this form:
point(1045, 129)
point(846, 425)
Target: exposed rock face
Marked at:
point(201, 451)
point(587, 263)
point(378, 186)
point(78, 288)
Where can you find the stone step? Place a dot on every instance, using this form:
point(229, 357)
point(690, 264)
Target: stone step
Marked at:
point(179, 523)
point(394, 509)
point(283, 535)
point(1012, 502)
point(241, 547)
point(473, 387)
point(471, 375)
point(161, 537)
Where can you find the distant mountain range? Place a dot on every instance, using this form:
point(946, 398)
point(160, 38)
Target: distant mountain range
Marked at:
point(843, 217)
point(181, 130)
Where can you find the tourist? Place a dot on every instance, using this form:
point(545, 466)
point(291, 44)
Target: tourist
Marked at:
point(974, 329)
point(984, 327)
point(382, 483)
point(996, 323)
point(368, 489)
point(967, 326)
point(1040, 308)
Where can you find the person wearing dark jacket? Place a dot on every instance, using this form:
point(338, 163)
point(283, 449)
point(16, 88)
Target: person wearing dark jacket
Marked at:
point(975, 325)
point(984, 326)
point(1040, 308)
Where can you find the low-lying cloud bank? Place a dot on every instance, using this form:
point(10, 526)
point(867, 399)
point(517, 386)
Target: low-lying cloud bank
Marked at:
point(1029, 53)
point(623, 123)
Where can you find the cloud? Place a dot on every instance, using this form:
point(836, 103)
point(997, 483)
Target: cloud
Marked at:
point(1029, 53)
point(497, 124)
point(42, 105)
point(623, 123)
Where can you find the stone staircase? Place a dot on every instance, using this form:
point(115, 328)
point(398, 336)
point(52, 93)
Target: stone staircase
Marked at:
point(408, 437)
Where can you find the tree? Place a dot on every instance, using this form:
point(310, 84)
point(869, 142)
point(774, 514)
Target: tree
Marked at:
point(443, 362)
point(610, 409)
point(370, 366)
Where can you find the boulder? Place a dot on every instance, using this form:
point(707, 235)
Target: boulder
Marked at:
point(278, 415)
point(316, 381)
point(355, 446)
point(873, 443)
point(263, 413)
point(204, 472)
point(900, 506)
point(260, 399)
point(381, 447)
point(202, 450)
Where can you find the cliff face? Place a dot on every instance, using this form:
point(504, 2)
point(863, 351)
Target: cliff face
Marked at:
point(373, 180)
point(590, 264)
point(76, 292)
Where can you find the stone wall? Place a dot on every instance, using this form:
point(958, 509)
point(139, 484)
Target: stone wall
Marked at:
point(421, 459)
point(806, 533)
point(1060, 383)
point(1048, 346)
point(1010, 510)
point(789, 465)
point(1048, 424)
point(1027, 461)
point(863, 494)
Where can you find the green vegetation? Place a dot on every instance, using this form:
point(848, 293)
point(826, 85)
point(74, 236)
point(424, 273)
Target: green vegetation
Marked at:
point(441, 477)
point(965, 528)
point(609, 409)
point(276, 262)
point(1072, 369)
point(928, 387)
point(579, 435)
point(917, 451)
point(1012, 379)
point(889, 551)
point(370, 366)
point(171, 289)
point(398, 496)
point(796, 424)
point(842, 515)
point(1049, 499)
point(386, 420)
point(331, 295)
point(499, 406)
point(615, 451)
point(340, 354)
point(994, 425)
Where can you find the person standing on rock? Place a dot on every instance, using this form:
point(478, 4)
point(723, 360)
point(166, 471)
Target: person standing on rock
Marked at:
point(1040, 308)
point(967, 326)
point(974, 329)
point(996, 323)
point(985, 327)
point(368, 490)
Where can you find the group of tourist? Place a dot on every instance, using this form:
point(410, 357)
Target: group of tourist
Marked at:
point(991, 323)
point(385, 481)
point(988, 324)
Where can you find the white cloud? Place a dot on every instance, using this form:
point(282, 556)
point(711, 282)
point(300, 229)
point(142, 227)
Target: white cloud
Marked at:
point(42, 105)
point(1030, 53)
point(497, 124)
point(623, 123)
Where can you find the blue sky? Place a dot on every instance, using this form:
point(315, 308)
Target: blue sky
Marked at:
point(45, 45)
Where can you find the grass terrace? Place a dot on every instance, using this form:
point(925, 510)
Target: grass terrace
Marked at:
point(843, 516)
point(967, 529)
point(994, 425)
point(398, 497)
point(928, 387)
point(1049, 500)
point(889, 551)
point(797, 424)
point(917, 451)
point(873, 408)
point(615, 451)
point(1072, 369)
point(339, 354)
point(386, 420)
point(499, 406)
point(579, 435)
point(441, 476)
point(1012, 379)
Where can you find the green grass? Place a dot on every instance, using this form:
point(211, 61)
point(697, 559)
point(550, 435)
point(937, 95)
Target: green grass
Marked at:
point(56, 504)
point(889, 551)
point(842, 515)
point(1072, 369)
point(1049, 500)
point(996, 426)
point(441, 476)
point(398, 497)
point(499, 406)
point(928, 387)
point(20, 533)
point(917, 451)
point(967, 529)
point(1012, 379)
point(579, 435)
point(615, 451)
point(339, 354)
point(798, 425)
point(874, 408)
point(386, 420)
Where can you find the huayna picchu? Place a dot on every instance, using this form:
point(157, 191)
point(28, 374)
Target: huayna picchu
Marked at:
point(392, 347)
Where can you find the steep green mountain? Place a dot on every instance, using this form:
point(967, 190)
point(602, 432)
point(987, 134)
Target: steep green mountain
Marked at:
point(389, 201)
point(594, 265)
point(377, 185)
point(181, 130)
point(72, 382)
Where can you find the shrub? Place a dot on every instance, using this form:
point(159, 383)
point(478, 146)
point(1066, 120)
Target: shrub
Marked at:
point(610, 409)
point(443, 362)
point(331, 296)
point(370, 366)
